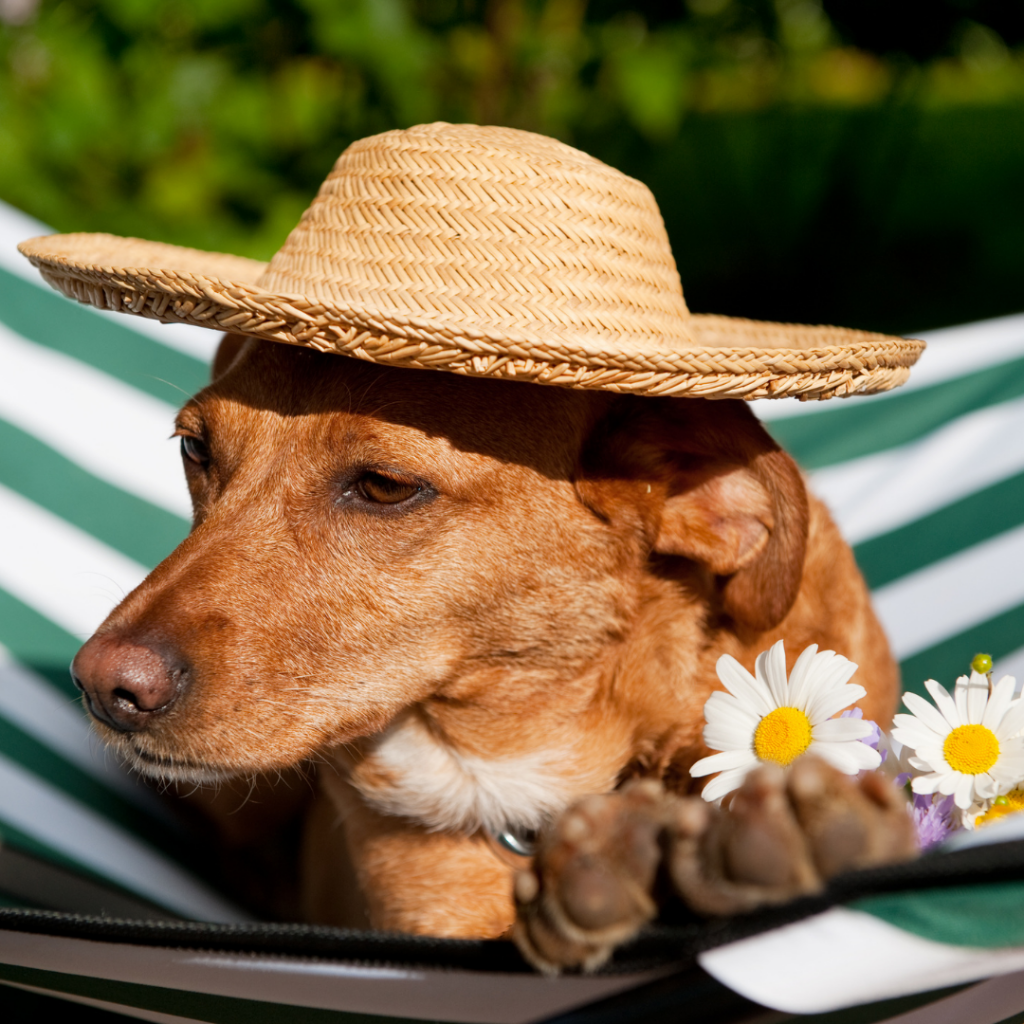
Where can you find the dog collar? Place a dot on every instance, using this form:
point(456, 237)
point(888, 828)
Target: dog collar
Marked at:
point(513, 844)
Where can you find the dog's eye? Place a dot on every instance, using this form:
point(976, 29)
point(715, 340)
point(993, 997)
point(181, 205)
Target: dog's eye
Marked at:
point(195, 450)
point(385, 490)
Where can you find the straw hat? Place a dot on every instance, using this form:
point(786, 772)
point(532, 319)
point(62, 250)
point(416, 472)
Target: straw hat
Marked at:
point(490, 252)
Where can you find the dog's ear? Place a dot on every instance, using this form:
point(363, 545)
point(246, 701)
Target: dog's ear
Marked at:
point(229, 347)
point(702, 480)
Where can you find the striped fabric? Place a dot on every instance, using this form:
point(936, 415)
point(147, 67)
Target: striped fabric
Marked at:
point(927, 483)
point(91, 498)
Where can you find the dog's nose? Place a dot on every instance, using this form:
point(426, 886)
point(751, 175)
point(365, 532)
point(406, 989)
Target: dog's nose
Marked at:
point(125, 683)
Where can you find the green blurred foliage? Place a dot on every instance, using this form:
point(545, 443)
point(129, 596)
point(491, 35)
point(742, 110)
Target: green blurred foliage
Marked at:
point(855, 161)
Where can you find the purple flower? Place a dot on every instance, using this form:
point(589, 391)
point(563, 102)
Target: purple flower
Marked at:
point(933, 819)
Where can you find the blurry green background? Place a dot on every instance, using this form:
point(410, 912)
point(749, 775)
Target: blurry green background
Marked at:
point(847, 161)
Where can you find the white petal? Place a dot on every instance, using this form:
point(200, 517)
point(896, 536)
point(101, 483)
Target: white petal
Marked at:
point(985, 786)
point(867, 758)
point(728, 737)
point(828, 702)
point(739, 682)
point(948, 783)
point(912, 749)
point(964, 794)
point(1013, 764)
point(847, 757)
point(927, 713)
point(1012, 680)
point(944, 703)
point(934, 755)
point(761, 676)
point(727, 709)
point(771, 668)
point(725, 761)
point(720, 701)
point(1011, 748)
point(1007, 775)
point(977, 698)
point(723, 784)
point(921, 765)
point(913, 732)
point(730, 759)
point(821, 666)
point(838, 672)
point(839, 755)
point(999, 702)
point(801, 679)
point(960, 697)
point(842, 729)
point(1013, 720)
point(925, 784)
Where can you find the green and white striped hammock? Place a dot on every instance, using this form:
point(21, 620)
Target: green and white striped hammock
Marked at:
point(927, 483)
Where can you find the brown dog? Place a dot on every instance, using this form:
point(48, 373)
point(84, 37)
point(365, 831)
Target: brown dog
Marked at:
point(475, 601)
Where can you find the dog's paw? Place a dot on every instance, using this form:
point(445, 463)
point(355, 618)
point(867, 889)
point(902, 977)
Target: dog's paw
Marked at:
point(752, 854)
point(590, 885)
point(850, 823)
point(781, 836)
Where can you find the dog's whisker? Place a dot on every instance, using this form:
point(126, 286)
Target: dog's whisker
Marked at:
point(171, 384)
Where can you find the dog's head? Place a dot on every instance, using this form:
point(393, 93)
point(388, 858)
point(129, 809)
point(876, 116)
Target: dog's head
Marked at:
point(368, 538)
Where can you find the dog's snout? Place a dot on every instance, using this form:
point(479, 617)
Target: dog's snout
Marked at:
point(127, 683)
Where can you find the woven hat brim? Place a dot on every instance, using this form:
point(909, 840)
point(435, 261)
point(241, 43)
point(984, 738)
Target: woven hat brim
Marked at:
point(730, 357)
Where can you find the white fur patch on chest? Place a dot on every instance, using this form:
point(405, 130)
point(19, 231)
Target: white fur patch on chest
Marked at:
point(413, 773)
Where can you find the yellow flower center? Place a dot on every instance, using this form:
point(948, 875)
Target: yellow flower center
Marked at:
point(971, 749)
point(782, 736)
point(1001, 806)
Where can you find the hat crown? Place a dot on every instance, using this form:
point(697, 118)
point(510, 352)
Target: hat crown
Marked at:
point(495, 230)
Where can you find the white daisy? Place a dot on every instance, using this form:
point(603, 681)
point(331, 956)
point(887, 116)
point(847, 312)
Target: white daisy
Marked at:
point(966, 743)
point(766, 718)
